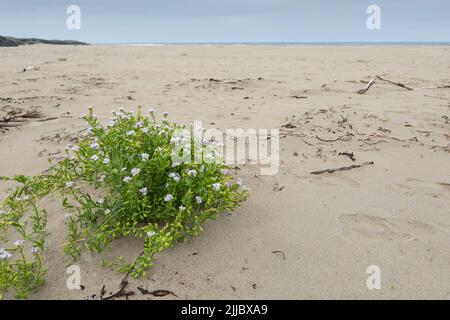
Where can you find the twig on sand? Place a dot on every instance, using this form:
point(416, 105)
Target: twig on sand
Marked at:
point(348, 154)
point(280, 252)
point(123, 284)
point(343, 168)
point(15, 119)
point(396, 83)
point(362, 91)
point(121, 293)
point(157, 293)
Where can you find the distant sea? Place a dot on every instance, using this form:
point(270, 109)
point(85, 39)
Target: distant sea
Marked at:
point(288, 44)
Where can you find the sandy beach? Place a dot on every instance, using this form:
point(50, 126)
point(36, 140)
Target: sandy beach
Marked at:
point(299, 235)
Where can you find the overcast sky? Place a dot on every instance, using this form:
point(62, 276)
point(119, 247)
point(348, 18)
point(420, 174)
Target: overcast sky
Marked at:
point(152, 21)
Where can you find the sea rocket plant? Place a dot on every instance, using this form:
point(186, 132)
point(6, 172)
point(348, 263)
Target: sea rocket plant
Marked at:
point(140, 192)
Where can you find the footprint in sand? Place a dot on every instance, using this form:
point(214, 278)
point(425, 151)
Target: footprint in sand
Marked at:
point(358, 227)
point(428, 188)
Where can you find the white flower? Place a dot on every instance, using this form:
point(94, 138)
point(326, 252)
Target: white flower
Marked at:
point(107, 211)
point(143, 191)
point(101, 201)
point(176, 164)
point(34, 250)
point(127, 179)
point(75, 148)
point(89, 130)
point(239, 182)
point(175, 140)
point(151, 110)
point(111, 123)
point(68, 147)
point(182, 208)
point(145, 130)
point(191, 172)
point(94, 145)
point(4, 254)
point(2, 212)
point(138, 124)
point(19, 243)
point(71, 157)
point(216, 186)
point(225, 171)
point(144, 156)
point(106, 160)
point(175, 176)
point(69, 184)
point(131, 132)
point(168, 198)
point(151, 233)
point(102, 178)
point(135, 171)
point(94, 157)
point(25, 197)
point(198, 199)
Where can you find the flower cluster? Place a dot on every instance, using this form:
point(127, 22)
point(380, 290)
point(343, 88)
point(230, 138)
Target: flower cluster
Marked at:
point(144, 191)
point(139, 191)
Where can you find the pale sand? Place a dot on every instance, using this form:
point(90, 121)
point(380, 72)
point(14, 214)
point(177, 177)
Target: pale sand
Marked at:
point(331, 227)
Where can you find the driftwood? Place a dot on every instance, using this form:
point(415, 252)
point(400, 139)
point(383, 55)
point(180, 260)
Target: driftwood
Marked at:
point(343, 168)
point(122, 292)
point(362, 91)
point(395, 83)
point(17, 118)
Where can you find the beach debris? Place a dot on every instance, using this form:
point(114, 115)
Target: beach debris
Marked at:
point(398, 84)
point(343, 168)
point(122, 292)
point(281, 253)
point(30, 68)
point(102, 291)
point(374, 79)
point(289, 125)
point(348, 154)
point(17, 117)
point(156, 293)
point(277, 187)
point(299, 97)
